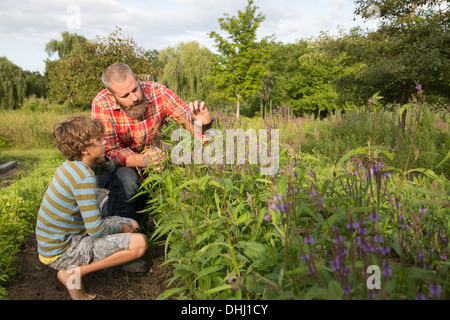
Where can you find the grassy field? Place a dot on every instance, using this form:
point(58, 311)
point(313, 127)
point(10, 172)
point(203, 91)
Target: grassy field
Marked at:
point(352, 197)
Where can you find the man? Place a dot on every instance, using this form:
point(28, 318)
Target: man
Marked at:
point(72, 236)
point(133, 113)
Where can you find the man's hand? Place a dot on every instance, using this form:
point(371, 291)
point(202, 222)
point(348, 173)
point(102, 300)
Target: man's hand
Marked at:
point(200, 113)
point(154, 157)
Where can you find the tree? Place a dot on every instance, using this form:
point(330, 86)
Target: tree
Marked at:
point(300, 76)
point(12, 85)
point(185, 67)
point(64, 47)
point(240, 64)
point(77, 78)
point(36, 84)
point(411, 45)
point(156, 66)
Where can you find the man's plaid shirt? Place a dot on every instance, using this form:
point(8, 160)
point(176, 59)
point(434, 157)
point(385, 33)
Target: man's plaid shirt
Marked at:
point(124, 135)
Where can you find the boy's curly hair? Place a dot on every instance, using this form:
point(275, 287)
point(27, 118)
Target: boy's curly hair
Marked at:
point(75, 134)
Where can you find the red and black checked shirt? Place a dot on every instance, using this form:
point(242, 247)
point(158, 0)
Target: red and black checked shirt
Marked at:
point(124, 135)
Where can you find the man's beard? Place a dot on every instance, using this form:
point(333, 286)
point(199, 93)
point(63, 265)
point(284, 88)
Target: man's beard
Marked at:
point(136, 111)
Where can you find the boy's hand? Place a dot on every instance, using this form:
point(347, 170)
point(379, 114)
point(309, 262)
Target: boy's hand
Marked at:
point(127, 229)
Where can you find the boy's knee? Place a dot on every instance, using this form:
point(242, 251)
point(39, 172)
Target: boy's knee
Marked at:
point(139, 242)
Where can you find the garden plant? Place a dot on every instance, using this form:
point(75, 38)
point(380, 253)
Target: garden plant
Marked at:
point(352, 217)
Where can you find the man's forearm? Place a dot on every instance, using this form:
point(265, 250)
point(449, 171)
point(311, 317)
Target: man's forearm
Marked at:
point(135, 160)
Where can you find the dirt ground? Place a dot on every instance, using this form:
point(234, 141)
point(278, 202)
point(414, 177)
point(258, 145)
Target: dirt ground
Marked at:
point(36, 281)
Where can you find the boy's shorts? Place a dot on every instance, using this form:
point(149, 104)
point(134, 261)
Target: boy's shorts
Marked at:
point(84, 249)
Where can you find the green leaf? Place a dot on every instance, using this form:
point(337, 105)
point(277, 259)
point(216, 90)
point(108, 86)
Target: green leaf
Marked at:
point(406, 106)
point(202, 182)
point(227, 184)
point(443, 161)
point(218, 289)
point(253, 250)
point(353, 153)
point(170, 292)
point(206, 271)
point(335, 288)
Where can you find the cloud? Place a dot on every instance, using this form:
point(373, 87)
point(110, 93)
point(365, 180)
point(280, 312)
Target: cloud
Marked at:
point(27, 25)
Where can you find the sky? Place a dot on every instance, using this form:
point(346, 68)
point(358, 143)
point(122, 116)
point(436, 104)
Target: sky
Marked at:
point(26, 26)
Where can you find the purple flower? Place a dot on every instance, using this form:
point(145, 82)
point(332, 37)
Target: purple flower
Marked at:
point(351, 226)
point(378, 238)
point(334, 263)
point(305, 257)
point(230, 280)
point(347, 289)
point(419, 87)
point(282, 207)
point(267, 217)
point(374, 217)
point(309, 239)
point(419, 254)
point(385, 250)
point(387, 271)
point(422, 210)
point(436, 290)
point(420, 296)
point(311, 270)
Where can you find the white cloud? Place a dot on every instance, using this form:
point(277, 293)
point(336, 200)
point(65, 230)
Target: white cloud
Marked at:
point(27, 25)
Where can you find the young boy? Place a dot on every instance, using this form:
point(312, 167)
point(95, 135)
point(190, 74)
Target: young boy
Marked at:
point(72, 236)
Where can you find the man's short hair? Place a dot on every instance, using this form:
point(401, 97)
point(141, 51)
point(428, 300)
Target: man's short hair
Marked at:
point(76, 133)
point(117, 72)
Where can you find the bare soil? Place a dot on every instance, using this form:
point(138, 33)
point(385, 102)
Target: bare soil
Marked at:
point(36, 281)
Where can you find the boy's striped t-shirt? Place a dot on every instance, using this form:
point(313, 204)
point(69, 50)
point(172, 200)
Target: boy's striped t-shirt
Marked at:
point(69, 208)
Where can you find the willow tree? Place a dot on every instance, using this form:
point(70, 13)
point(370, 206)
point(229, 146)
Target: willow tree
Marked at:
point(185, 67)
point(241, 61)
point(12, 85)
point(65, 46)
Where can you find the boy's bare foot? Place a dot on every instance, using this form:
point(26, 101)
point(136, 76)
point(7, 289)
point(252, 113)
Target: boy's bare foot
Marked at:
point(71, 279)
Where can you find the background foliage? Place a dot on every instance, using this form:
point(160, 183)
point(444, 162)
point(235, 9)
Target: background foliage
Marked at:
point(316, 75)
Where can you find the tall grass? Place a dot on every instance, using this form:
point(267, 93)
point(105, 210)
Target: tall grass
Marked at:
point(31, 127)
